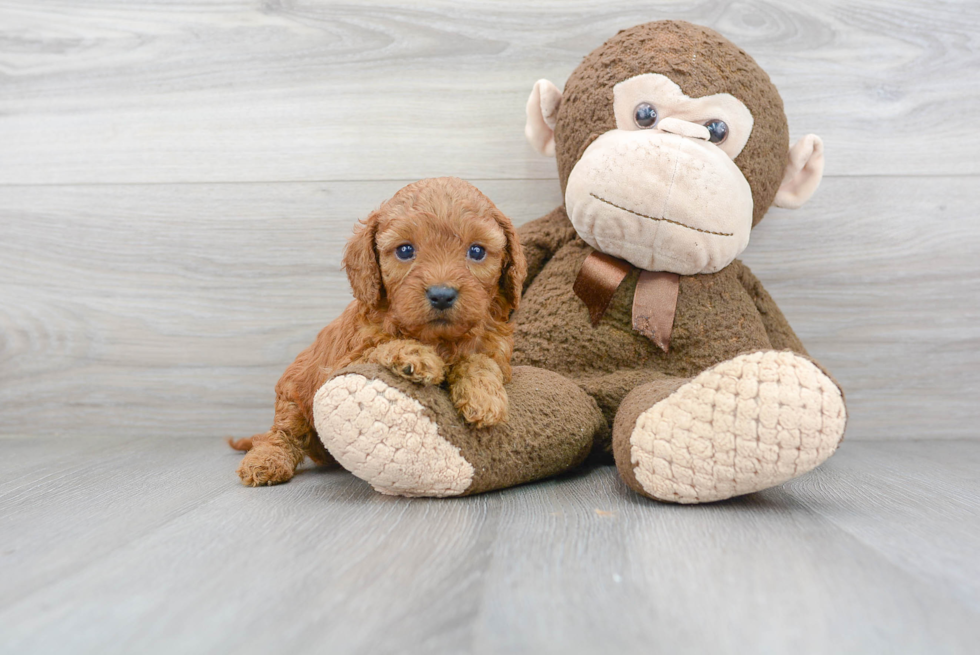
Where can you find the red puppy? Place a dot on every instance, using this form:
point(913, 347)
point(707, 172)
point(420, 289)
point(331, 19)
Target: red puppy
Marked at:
point(436, 272)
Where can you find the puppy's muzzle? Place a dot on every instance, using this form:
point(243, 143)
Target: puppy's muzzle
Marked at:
point(441, 297)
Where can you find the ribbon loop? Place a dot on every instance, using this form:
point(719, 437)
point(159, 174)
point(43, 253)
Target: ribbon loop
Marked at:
point(654, 304)
point(597, 282)
point(654, 301)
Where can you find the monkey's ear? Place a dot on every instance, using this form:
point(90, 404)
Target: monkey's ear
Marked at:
point(804, 170)
point(542, 113)
point(361, 262)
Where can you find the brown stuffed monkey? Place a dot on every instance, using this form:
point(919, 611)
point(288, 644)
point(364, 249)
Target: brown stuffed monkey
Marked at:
point(640, 335)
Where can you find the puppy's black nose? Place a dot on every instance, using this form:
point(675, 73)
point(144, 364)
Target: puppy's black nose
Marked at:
point(441, 297)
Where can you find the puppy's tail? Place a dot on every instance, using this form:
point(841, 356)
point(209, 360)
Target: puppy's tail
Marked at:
point(244, 444)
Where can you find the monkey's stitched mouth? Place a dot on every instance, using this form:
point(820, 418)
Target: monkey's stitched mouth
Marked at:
point(665, 220)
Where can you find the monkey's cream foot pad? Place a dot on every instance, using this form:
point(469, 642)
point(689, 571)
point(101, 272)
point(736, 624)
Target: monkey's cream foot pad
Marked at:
point(381, 435)
point(747, 424)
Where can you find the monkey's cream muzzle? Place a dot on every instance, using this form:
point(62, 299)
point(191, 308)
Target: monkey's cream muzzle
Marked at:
point(661, 201)
point(656, 190)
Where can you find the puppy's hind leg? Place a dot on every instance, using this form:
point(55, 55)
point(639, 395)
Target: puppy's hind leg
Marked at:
point(274, 455)
point(270, 461)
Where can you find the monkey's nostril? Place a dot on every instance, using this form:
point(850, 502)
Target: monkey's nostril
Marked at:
point(441, 297)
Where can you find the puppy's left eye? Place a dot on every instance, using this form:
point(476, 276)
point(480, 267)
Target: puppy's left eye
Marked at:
point(405, 252)
point(477, 253)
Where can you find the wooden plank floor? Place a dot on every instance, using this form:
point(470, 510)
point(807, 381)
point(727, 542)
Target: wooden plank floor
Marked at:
point(151, 546)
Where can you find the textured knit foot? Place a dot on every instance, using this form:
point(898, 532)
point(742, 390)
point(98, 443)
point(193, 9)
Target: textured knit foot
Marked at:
point(747, 424)
point(382, 436)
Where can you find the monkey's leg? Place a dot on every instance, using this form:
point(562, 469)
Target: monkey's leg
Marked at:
point(409, 440)
point(746, 424)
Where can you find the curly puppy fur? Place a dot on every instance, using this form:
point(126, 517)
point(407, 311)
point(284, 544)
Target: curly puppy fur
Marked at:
point(392, 322)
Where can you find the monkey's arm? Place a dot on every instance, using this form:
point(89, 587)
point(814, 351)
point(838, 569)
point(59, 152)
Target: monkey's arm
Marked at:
point(780, 333)
point(541, 238)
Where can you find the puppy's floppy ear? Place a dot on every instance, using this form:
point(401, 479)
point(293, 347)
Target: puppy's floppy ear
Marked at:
point(361, 262)
point(512, 271)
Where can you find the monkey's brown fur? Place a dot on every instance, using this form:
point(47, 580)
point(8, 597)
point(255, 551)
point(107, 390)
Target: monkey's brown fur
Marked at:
point(718, 315)
point(391, 322)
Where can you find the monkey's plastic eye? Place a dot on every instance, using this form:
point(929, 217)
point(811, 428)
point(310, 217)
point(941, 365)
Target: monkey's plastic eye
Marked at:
point(718, 131)
point(477, 253)
point(405, 252)
point(645, 115)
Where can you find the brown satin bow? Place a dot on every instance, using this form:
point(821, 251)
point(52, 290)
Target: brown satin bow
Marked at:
point(654, 300)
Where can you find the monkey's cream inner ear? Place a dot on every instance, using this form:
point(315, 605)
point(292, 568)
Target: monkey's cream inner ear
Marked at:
point(804, 170)
point(542, 114)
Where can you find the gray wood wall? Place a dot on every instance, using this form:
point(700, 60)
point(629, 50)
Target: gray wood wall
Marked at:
point(177, 181)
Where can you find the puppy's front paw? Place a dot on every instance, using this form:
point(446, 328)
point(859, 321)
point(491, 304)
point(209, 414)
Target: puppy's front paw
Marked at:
point(411, 360)
point(482, 408)
point(481, 400)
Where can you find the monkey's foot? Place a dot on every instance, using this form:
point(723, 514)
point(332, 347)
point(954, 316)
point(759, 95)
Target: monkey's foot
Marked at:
point(408, 440)
point(747, 424)
point(382, 435)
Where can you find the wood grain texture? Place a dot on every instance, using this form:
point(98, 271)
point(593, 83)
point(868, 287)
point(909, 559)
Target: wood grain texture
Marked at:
point(236, 90)
point(172, 310)
point(139, 298)
point(74, 496)
point(872, 552)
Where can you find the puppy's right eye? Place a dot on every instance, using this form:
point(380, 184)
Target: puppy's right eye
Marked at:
point(405, 252)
